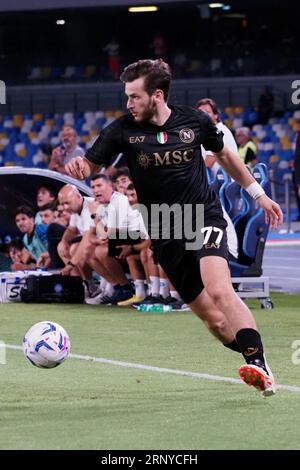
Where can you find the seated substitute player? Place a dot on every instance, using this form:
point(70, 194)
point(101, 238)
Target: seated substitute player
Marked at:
point(162, 147)
point(34, 235)
point(114, 217)
point(75, 237)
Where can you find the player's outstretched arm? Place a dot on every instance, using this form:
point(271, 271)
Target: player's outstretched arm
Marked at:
point(80, 168)
point(233, 165)
point(239, 172)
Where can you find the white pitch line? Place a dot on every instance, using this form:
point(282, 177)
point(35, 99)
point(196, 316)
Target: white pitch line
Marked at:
point(162, 370)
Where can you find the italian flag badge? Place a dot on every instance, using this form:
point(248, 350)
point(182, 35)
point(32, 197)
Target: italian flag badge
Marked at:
point(162, 137)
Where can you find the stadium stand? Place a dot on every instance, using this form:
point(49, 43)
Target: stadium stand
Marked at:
point(27, 139)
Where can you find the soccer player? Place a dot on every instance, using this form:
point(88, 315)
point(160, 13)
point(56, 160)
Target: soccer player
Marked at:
point(162, 148)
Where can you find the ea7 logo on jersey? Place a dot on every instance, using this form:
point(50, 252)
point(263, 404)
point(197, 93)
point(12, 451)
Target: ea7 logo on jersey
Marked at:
point(136, 139)
point(186, 135)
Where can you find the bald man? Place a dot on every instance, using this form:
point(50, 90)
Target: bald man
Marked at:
point(75, 237)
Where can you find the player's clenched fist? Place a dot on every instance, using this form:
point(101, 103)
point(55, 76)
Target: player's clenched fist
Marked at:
point(78, 167)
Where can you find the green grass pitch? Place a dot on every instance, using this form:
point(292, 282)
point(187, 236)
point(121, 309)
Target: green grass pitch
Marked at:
point(90, 405)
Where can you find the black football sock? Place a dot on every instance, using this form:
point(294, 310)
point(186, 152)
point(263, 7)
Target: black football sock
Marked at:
point(250, 344)
point(233, 346)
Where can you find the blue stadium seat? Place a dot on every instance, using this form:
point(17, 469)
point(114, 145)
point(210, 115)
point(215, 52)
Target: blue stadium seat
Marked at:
point(59, 121)
point(251, 254)
point(252, 231)
point(260, 173)
point(252, 117)
point(219, 184)
point(236, 203)
point(23, 138)
point(263, 156)
point(37, 126)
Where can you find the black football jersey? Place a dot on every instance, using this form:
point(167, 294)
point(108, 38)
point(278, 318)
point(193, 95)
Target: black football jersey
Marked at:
point(165, 162)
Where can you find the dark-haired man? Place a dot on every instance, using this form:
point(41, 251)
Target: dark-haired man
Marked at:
point(113, 217)
point(45, 194)
point(34, 235)
point(162, 148)
point(121, 180)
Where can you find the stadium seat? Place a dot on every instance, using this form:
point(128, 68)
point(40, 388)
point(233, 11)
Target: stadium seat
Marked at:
point(274, 141)
point(37, 117)
point(237, 122)
point(235, 201)
point(69, 73)
point(56, 73)
point(89, 72)
point(17, 120)
point(260, 173)
point(238, 110)
point(251, 254)
point(297, 114)
point(219, 184)
point(252, 231)
point(35, 73)
point(229, 110)
point(20, 150)
point(46, 73)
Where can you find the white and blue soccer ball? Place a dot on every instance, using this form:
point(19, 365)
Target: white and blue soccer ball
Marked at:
point(46, 344)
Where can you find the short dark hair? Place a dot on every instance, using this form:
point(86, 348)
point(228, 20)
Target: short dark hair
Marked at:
point(16, 243)
point(121, 172)
point(211, 103)
point(157, 74)
point(50, 188)
point(26, 210)
point(101, 176)
point(130, 187)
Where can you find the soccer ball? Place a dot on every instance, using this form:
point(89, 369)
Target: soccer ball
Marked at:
point(46, 344)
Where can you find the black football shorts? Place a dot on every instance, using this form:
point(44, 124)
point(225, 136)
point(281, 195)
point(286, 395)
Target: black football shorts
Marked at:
point(181, 265)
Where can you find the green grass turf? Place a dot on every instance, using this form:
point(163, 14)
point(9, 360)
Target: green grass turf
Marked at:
point(87, 405)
